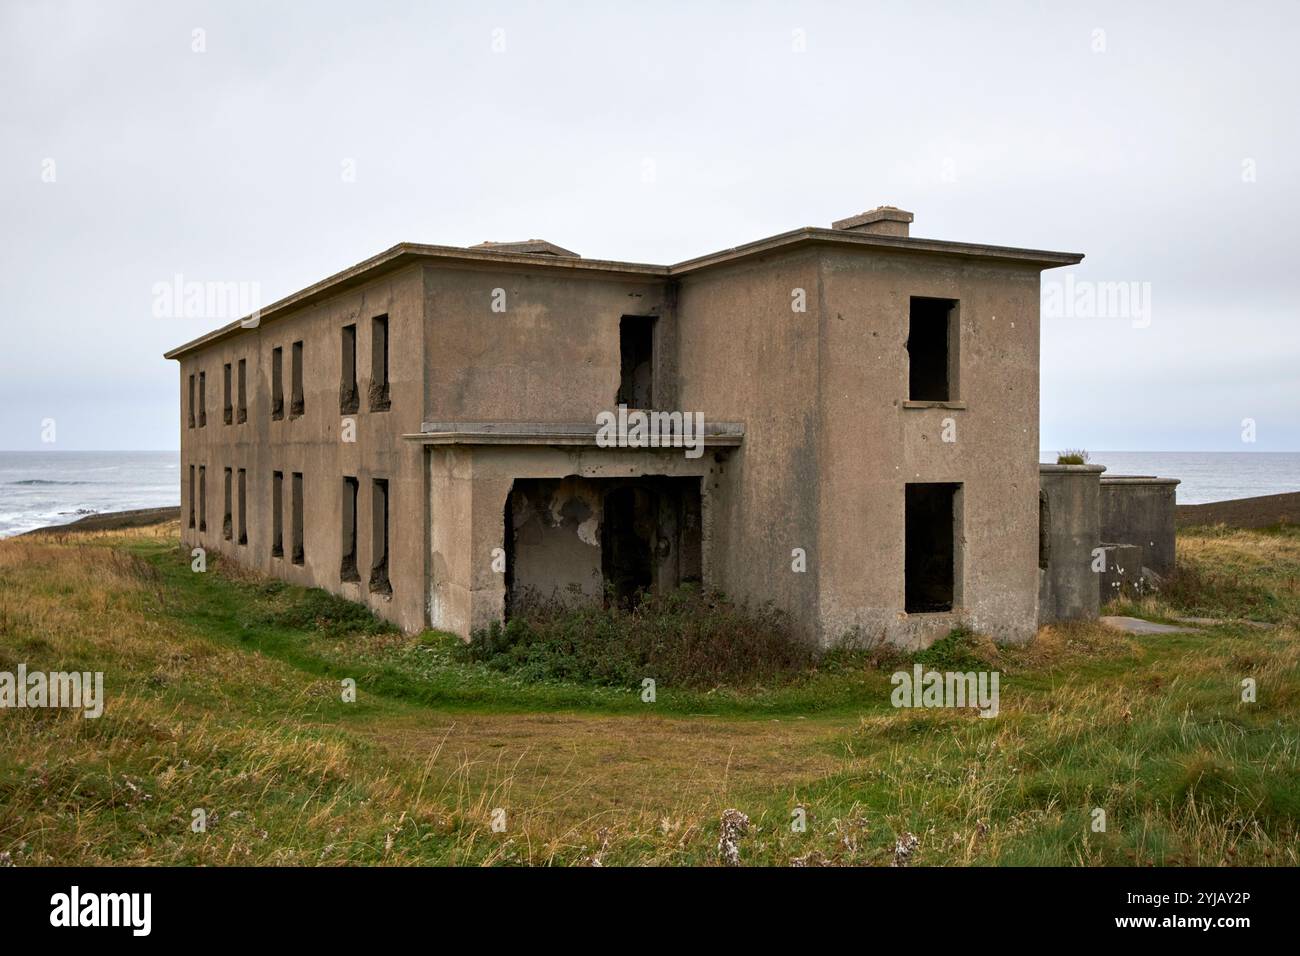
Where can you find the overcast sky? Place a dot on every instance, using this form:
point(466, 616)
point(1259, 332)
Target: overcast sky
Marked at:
point(300, 138)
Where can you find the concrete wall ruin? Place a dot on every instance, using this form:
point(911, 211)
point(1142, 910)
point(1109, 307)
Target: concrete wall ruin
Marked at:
point(1068, 587)
point(1139, 510)
point(1102, 537)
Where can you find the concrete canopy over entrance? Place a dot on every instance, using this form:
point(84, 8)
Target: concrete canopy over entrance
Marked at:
point(567, 492)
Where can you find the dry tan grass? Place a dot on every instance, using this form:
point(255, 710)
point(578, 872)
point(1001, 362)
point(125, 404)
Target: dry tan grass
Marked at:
point(288, 776)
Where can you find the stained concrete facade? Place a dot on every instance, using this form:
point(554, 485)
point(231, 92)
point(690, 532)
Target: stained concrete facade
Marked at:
point(799, 351)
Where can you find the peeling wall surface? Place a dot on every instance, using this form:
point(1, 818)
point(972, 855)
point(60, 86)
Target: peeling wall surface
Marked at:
point(568, 540)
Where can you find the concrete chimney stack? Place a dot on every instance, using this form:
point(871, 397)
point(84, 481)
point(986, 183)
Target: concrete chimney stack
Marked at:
point(881, 221)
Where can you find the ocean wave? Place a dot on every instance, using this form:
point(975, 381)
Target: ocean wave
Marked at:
point(47, 481)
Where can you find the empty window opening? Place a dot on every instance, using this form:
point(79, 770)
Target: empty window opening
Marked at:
point(277, 514)
point(380, 399)
point(191, 401)
point(241, 413)
point(1044, 530)
point(203, 399)
point(349, 400)
point(203, 498)
point(636, 338)
point(930, 553)
point(348, 566)
point(932, 350)
point(379, 539)
point(299, 554)
point(227, 522)
point(227, 408)
point(243, 506)
point(277, 384)
point(296, 401)
point(191, 496)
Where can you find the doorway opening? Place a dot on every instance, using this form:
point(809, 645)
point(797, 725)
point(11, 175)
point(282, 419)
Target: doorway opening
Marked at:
point(930, 552)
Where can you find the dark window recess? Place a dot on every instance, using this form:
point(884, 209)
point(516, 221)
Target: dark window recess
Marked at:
point(227, 522)
point(191, 496)
point(932, 350)
point(203, 498)
point(1044, 530)
point(636, 342)
point(277, 384)
point(203, 399)
point(241, 413)
point(191, 401)
point(243, 506)
point(299, 553)
point(348, 566)
point(349, 397)
point(227, 408)
point(380, 399)
point(626, 539)
point(379, 538)
point(650, 538)
point(277, 514)
point(296, 400)
point(930, 555)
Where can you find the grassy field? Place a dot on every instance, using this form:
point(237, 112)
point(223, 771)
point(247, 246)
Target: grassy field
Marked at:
point(224, 695)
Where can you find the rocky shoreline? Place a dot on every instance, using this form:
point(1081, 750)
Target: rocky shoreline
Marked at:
point(114, 520)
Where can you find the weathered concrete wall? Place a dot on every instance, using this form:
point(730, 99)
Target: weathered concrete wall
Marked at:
point(1140, 510)
point(1068, 587)
point(551, 356)
point(872, 441)
point(313, 444)
point(745, 355)
point(831, 439)
point(557, 550)
point(1121, 576)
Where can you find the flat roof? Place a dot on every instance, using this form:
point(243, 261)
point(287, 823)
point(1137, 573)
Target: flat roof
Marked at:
point(408, 253)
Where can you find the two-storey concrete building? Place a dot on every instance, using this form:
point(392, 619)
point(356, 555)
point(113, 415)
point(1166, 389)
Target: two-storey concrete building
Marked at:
point(427, 432)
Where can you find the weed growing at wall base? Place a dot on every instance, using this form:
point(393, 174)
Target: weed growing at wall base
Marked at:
point(685, 638)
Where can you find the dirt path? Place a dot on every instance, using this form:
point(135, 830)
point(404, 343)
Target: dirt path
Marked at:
point(588, 765)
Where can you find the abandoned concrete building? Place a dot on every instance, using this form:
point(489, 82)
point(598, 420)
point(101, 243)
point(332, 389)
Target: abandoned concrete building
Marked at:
point(421, 432)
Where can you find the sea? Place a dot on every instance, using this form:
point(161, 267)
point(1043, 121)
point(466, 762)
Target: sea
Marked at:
point(42, 488)
point(1206, 475)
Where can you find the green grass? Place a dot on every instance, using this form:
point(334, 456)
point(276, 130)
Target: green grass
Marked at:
point(224, 694)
